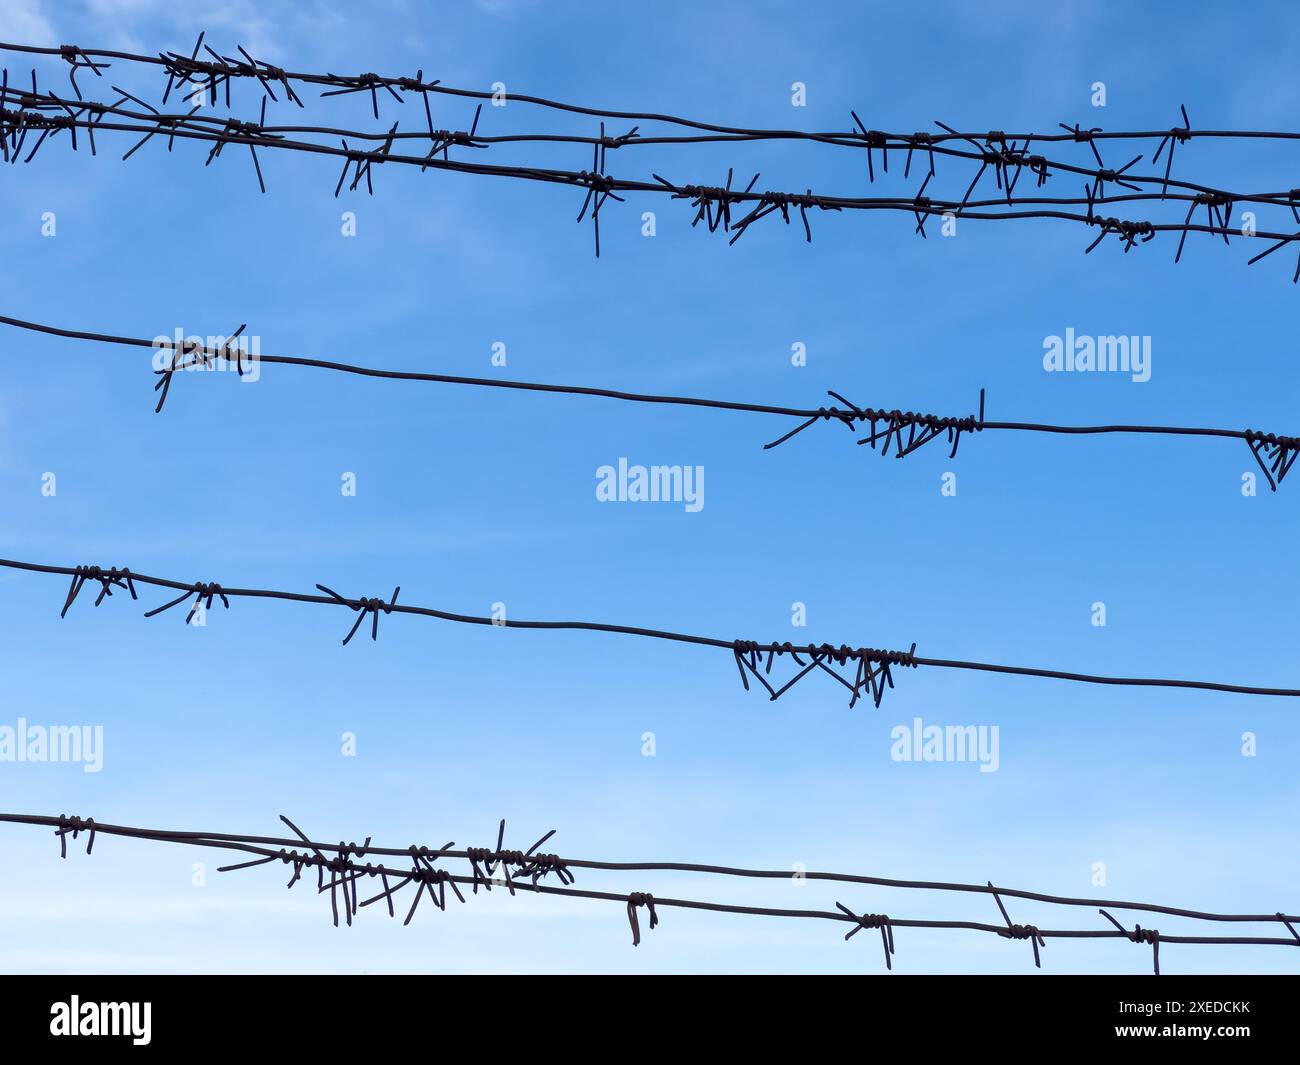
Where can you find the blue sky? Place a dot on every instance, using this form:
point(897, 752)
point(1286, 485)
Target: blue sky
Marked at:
point(468, 498)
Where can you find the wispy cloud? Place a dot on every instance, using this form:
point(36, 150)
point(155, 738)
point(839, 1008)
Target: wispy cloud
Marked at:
point(237, 19)
point(503, 7)
point(25, 21)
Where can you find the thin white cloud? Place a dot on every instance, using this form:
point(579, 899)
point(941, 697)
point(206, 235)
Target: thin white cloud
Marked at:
point(23, 21)
point(502, 7)
point(232, 21)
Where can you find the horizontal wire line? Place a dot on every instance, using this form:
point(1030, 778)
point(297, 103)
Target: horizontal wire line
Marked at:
point(185, 126)
point(346, 870)
point(362, 81)
point(1192, 192)
point(602, 186)
point(933, 143)
point(201, 355)
point(120, 577)
point(673, 867)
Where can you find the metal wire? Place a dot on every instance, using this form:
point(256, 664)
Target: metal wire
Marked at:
point(214, 71)
point(528, 870)
point(898, 432)
point(49, 113)
point(872, 668)
point(1004, 157)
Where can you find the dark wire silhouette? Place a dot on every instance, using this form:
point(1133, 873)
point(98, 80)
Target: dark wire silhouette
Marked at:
point(999, 154)
point(712, 203)
point(898, 432)
point(1006, 154)
point(1005, 158)
point(872, 668)
point(212, 72)
point(528, 870)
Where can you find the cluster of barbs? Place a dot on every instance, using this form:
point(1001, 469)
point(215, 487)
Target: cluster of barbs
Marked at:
point(206, 75)
point(899, 433)
point(872, 668)
point(343, 869)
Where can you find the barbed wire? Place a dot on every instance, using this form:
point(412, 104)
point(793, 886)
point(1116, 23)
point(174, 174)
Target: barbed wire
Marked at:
point(712, 204)
point(993, 148)
point(1006, 160)
point(215, 71)
point(151, 122)
point(528, 870)
point(871, 668)
point(898, 432)
point(43, 116)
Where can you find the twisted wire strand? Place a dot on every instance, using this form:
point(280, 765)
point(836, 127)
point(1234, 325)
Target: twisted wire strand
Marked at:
point(527, 871)
point(995, 148)
point(900, 433)
point(712, 203)
point(212, 66)
point(873, 667)
point(998, 152)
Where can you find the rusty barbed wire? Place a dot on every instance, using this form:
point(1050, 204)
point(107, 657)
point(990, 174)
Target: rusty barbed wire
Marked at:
point(229, 130)
point(1008, 161)
point(340, 871)
point(899, 432)
point(1000, 156)
point(871, 668)
point(216, 71)
point(1006, 153)
point(716, 201)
